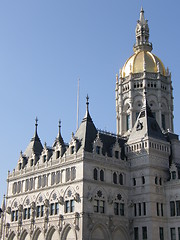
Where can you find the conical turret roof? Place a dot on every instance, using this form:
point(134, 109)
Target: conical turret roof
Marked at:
point(35, 146)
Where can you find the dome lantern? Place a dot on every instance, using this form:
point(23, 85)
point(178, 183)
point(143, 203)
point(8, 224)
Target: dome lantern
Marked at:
point(142, 35)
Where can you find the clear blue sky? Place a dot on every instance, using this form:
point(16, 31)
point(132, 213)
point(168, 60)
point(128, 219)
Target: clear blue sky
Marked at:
point(45, 46)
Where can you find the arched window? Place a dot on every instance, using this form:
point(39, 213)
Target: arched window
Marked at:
point(115, 178)
point(143, 179)
point(121, 179)
point(95, 174)
point(102, 175)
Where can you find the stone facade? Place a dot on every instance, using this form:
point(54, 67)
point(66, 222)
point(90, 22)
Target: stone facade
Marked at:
point(101, 185)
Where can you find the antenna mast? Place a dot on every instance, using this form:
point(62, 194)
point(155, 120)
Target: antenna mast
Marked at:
point(78, 105)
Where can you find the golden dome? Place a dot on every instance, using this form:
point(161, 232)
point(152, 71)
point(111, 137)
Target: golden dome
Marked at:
point(143, 61)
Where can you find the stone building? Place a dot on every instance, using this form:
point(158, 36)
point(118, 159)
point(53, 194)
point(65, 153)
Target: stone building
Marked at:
point(104, 186)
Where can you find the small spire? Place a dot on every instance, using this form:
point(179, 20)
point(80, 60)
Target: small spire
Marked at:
point(87, 102)
point(36, 125)
point(141, 19)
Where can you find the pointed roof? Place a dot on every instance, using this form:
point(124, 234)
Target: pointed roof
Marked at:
point(142, 19)
point(87, 131)
point(59, 138)
point(146, 125)
point(35, 146)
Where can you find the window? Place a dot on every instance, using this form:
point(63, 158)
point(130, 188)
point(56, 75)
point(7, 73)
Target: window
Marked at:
point(69, 206)
point(115, 178)
point(57, 154)
point(72, 149)
point(173, 233)
point(68, 174)
point(56, 208)
point(121, 179)
point(139, 205)
point(38, 211)
point(52, 178)
point(117, 154)
point(134, 182)
point(26, 213)
point(52, 208)
point(14, 215)
point(44, 158)
point(178, 233)
point(99, 206)
point(172, 208)
point(135, 210)
point(119, 209)
point(128, 122)
point(173, 175)
point(102, 175)
point(58, 176)
point(161, 233)
point(136, 233)
point(178, 208)
point(160, 181)
point(162, 210)
point(156, 180)
point(98, 149)
point(144, 208)
point(157, 208)
point(143, 179)
point(95, 174)
point(144, 233)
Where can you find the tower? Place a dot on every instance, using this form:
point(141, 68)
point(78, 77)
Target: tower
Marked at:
point(143, 71)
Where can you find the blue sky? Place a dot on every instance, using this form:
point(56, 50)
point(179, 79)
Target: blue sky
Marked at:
point(45, 46)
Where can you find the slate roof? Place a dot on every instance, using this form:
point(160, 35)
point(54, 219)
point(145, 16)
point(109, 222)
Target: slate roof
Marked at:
point(146, 125)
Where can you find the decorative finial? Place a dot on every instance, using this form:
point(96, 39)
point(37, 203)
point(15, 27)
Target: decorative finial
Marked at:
point(36, 124)
point(87, 102)
point(59, 126)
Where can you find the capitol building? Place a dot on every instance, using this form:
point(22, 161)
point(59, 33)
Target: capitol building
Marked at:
point(104, 186)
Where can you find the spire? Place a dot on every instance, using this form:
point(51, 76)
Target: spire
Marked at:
point(87, 103)
point(59, 138)
point(142, 34)
point(141, 19)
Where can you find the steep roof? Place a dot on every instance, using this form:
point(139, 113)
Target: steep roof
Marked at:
point(146, 125)
point(87, 131)
point(35, 146)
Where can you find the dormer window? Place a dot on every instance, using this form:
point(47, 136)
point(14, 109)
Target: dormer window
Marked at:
point(98, 149)
point(117, 154)
point(31, 162)
point(44, 158)
point(20, 166)
point(72, 149)
point(57, 154)
point(173, 175)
